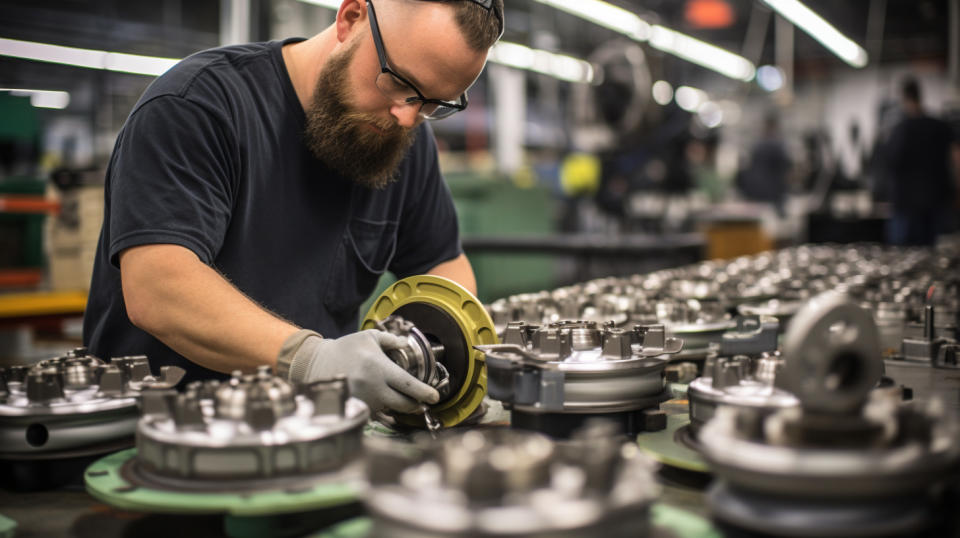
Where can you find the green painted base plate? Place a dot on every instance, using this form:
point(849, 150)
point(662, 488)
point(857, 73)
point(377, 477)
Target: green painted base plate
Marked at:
point(8, 527)
point(663, 446)
point(667, 521)
point(106, 482)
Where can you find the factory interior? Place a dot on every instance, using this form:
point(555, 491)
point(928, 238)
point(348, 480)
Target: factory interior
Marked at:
point(665, 268)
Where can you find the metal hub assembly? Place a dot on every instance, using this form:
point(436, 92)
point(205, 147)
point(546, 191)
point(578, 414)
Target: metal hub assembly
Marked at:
point(74, 405)
point(554, 378)
point(442, 322)
point(507, 483)
point(744, 370)
point(849, 461)
point(254, 445)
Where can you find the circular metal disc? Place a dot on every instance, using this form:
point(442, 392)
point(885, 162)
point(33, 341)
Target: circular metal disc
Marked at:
point(471, 319)
point(106, 481)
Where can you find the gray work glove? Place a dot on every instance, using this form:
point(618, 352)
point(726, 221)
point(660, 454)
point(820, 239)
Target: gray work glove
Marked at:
point(372, 376)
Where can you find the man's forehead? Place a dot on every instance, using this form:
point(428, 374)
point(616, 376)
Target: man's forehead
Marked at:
point(424, 42)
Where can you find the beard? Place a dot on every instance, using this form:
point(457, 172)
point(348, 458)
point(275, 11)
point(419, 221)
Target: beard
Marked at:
point(344, 139)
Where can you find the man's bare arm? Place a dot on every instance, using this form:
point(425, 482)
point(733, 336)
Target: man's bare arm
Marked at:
point(190, 307)
point(458, 270)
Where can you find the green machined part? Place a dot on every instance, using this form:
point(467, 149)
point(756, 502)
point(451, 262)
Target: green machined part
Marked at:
point(105, 482)
point(663, 447)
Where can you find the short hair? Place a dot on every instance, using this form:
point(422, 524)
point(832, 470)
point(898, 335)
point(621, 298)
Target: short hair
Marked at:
point(910, 89)
point(480, 26)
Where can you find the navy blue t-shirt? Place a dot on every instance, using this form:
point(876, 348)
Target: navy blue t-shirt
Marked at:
point(212, 158)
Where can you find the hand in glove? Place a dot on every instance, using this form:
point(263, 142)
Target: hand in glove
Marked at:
point(372, 376)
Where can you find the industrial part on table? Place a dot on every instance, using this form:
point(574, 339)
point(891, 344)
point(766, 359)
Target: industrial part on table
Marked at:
point(814, 384)
point(255, 445)
point(554, 378)
point(847, 461)
point(503, 483)
point(65, 409)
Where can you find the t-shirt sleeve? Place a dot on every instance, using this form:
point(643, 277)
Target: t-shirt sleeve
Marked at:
point(428, 233)
point(171, 179)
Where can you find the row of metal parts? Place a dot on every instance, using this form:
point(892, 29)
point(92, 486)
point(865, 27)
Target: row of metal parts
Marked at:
point(806, 439)
point(698, 302)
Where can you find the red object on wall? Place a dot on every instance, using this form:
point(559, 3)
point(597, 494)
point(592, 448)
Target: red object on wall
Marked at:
point(709, 13)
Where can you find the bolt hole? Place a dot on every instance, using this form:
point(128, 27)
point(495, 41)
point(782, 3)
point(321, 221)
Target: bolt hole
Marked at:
point(844, 372)
point(37, 435)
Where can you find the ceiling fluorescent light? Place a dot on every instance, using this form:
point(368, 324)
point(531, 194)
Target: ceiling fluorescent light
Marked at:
point(89, 58)
point(662, 38)
point(606, 15)
point(332, 4)
point(555, 65)
point(821, 30)
point(701, 53)
point(42, 98)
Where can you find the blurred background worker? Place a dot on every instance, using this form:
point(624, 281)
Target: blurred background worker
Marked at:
point(765, 180)
point(922, 188)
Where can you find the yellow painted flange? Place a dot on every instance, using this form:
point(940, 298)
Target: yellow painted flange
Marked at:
point(474, 323)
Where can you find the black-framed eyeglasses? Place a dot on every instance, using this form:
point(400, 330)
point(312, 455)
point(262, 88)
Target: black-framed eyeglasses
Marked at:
point(400, 90)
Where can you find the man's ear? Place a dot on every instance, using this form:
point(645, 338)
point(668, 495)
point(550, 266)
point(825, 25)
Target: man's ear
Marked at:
point(351, 13)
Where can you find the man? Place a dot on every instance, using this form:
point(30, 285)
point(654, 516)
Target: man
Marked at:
point(257, 192)
point(921, 191)
point(766, 178)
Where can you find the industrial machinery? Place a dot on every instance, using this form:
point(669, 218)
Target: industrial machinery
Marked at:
point(509, 483)
point(250, 447)
point(555, 377)
point(849, 460)
point(60, 412)
point(443, 323)
point(744, 370)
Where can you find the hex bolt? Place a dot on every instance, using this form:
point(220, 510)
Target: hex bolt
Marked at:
point(44, 385)
point(111, 380)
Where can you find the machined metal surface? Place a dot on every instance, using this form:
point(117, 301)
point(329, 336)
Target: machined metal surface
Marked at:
point(848, 460)
point(578, 366)
point(72, 404)
point(251, 432)
point(509, 483)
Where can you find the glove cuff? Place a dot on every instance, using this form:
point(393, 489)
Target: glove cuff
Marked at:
point(293, 365)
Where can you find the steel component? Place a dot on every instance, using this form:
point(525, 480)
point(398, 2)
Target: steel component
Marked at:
point(249, 432)
point(445, 323)
point(71, 405)
point(578, 367)
point(849, 460)
point(507, 483)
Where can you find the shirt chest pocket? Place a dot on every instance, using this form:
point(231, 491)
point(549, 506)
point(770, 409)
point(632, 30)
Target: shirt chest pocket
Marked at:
point(364, 253)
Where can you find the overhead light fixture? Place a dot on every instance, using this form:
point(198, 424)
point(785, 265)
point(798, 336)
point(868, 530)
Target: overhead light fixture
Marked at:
point(42, 98)
point(89, 58)
point(770, 77)
point(604, 14)
point(662, 92)
point(660, 37)
point(556, 65)
point(821, 30)
point(689, 98)
point(332, 4)
point(702, 53)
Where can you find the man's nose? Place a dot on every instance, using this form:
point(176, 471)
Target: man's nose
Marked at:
point(406, 114)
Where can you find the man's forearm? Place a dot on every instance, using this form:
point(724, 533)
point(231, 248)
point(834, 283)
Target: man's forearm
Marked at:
point(458, 270)
point(188, 306)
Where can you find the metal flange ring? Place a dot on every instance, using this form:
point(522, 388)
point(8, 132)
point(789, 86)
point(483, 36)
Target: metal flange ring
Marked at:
point(832, 353)
point(440, 307)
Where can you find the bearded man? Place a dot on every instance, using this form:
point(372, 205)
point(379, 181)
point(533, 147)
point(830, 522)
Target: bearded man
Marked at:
point(257, 192)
